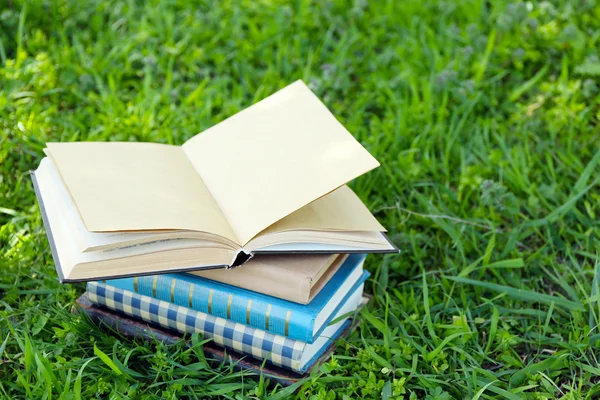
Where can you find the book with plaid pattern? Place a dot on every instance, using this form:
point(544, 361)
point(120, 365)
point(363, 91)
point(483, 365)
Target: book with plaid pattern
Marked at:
point(278, 350)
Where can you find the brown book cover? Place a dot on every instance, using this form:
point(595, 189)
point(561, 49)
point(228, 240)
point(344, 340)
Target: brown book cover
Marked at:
point(298, 278)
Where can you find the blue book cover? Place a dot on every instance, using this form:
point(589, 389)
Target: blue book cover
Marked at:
point(295, 355)
point(281, 317)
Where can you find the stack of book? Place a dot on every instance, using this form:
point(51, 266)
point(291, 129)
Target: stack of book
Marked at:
point(247, 233)
point(290, 328)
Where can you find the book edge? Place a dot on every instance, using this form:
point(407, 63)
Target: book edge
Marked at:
point(365, 275)
point(62, 278)
point(49, 234)
point(394, 250)
point(316, 285)
point(329, 346)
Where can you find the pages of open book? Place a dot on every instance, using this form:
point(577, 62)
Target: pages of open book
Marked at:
point(234, 180)
point(67, 256)
point(123, 186)
point(92, 241)
point(275, 157)
point(338, 217)
point(338, 210)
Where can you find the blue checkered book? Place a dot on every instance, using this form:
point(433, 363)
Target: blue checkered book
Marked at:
point(295, 355)
point(303, 322)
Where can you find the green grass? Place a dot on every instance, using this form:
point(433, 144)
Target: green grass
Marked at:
point(484, 116)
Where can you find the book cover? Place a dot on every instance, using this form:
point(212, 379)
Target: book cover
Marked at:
point(291, 354)
point(280, 317)
point(272, 274)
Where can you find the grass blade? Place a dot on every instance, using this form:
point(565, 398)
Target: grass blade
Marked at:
point(483, 389)
point(486, 57)
point(533, 369)
point(587, 173)
point(106, 359)
point(519, 294)
point(518, 92)
point(3, 345)
point(77, 385)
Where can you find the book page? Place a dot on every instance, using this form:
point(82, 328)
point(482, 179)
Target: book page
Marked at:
point(338, 210)
point(127, 186)
point(275, 157)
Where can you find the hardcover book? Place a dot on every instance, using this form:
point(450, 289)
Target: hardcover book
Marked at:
point(298, 278)
point(280, 317)
point(278, 350)
point(270, 179)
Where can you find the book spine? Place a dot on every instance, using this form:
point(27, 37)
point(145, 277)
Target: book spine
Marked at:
point(223, 301)
point(278, 350)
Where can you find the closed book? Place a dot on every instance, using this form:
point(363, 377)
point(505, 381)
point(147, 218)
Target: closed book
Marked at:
point(295, 355)
point(281, 317)
point(297, 278)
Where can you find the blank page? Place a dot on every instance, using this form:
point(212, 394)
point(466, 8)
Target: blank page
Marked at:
point(275, 157)
point(124, 186)
point(338, 210)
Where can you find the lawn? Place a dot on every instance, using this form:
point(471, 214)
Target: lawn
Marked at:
point(483, 114)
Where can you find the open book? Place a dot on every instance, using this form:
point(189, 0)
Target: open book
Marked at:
point(270, 179)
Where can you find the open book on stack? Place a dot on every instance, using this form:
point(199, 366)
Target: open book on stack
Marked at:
point(271, 179)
